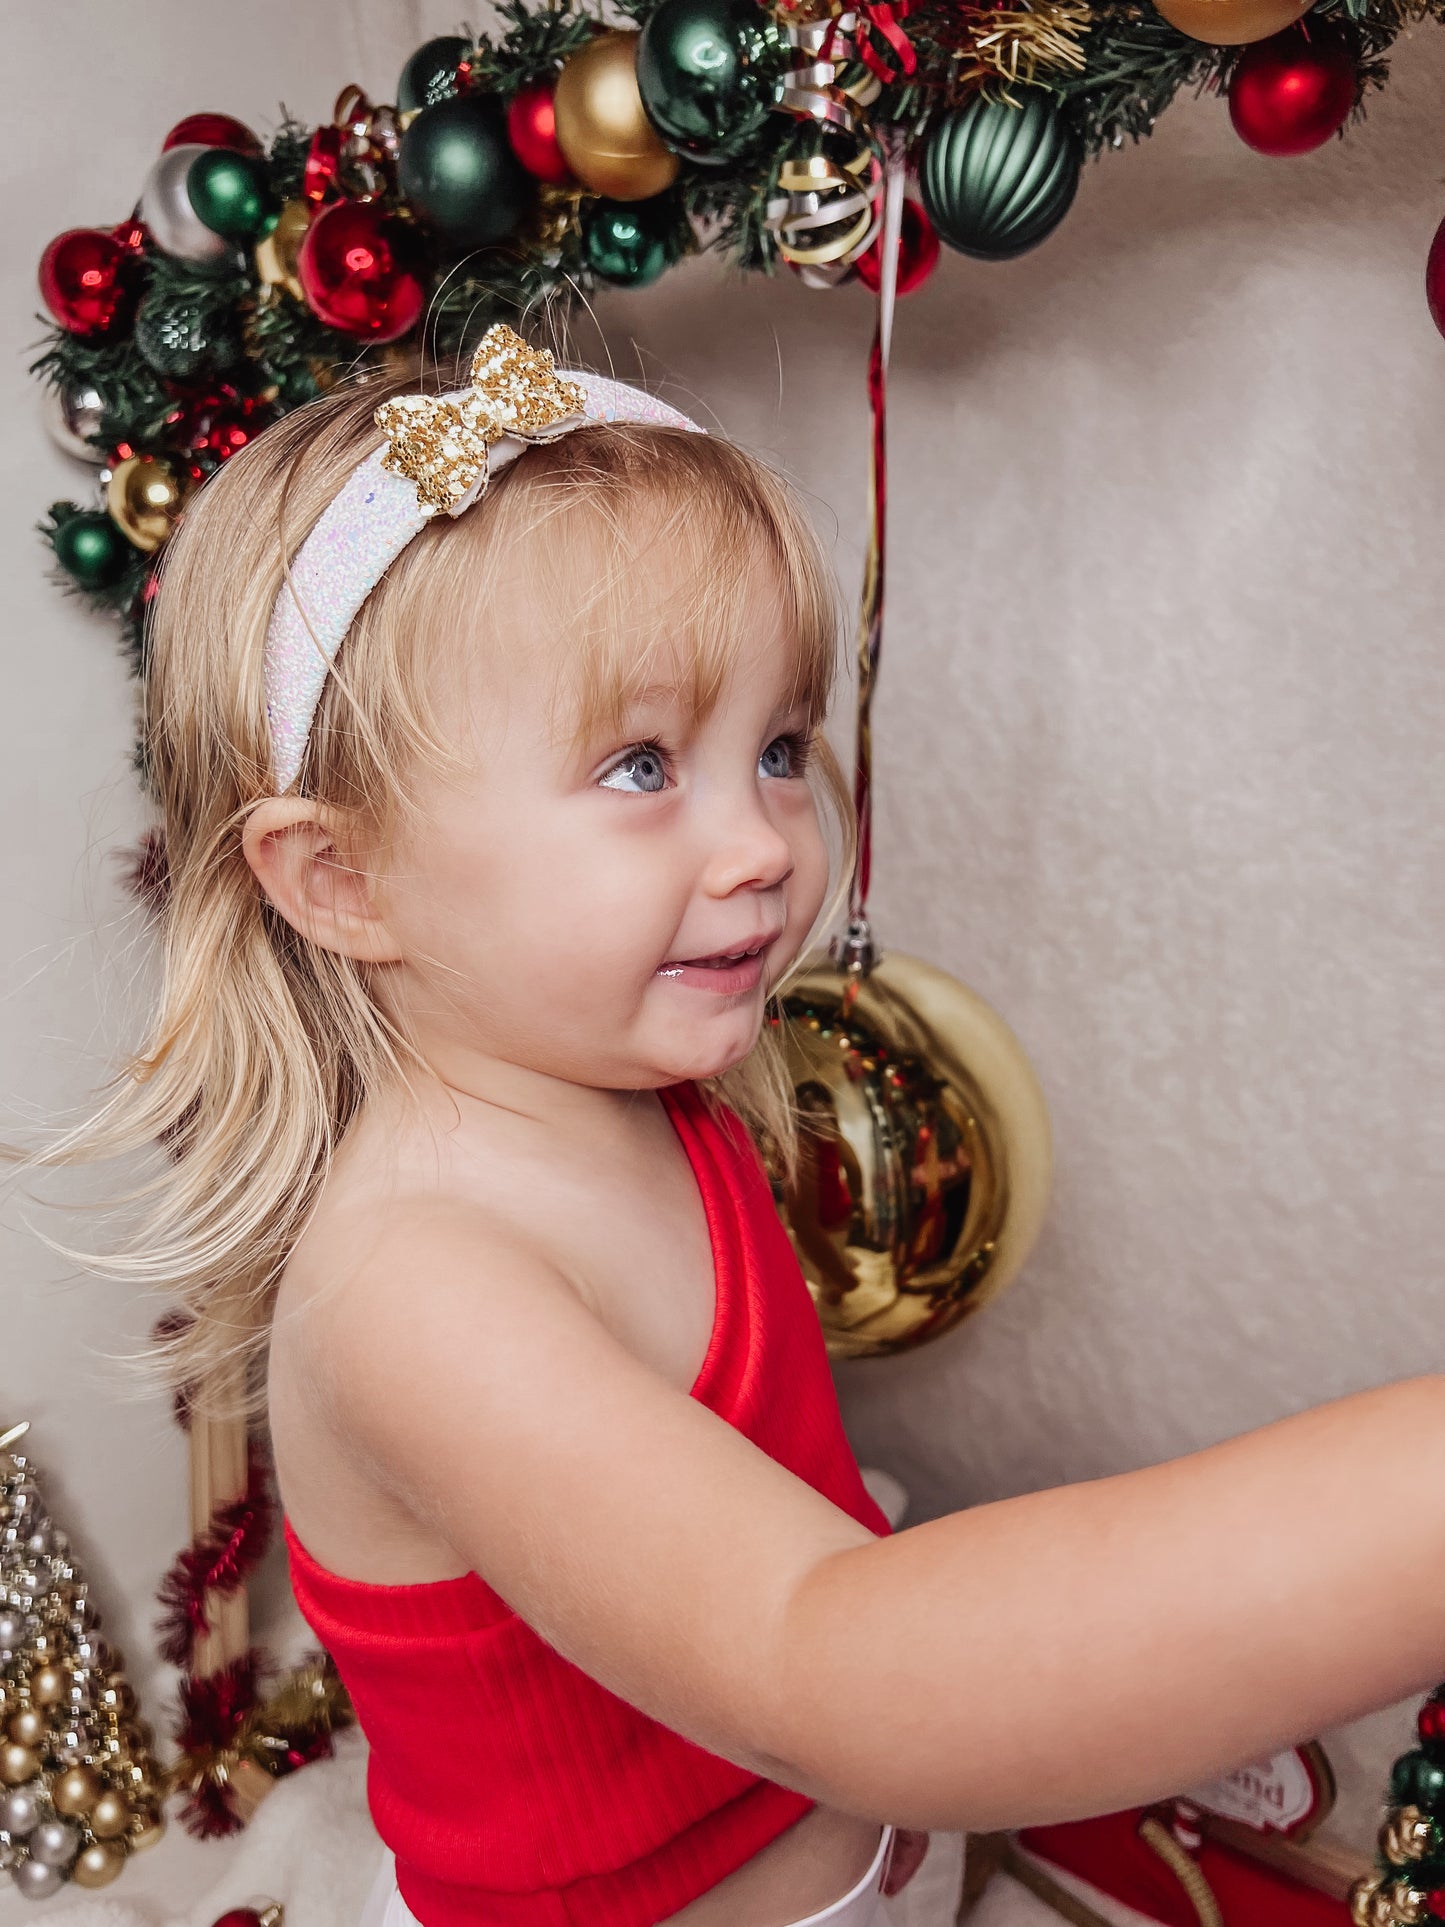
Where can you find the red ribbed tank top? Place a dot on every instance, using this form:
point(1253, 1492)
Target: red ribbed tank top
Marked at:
point(513, 1789)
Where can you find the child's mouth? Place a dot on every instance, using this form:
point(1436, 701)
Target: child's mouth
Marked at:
point(723, 973)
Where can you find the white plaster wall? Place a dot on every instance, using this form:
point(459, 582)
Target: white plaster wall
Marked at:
point(1159, 757)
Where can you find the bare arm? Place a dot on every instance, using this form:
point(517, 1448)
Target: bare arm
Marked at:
point(1056, 1655)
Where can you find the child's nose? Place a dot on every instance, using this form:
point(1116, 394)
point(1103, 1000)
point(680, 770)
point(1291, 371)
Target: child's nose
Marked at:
point(750, 851)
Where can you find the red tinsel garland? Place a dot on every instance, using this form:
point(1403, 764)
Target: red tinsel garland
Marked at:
point(219, 1560)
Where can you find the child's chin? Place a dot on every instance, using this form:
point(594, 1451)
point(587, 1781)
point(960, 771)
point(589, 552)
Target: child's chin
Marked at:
point(714, 1061)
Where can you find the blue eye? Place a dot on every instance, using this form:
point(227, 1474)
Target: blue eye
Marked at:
point(644, 765)
point(784, 756)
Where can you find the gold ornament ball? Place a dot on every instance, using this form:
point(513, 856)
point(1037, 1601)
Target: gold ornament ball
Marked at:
point(77, 1790)
point(109, 1817)
point(602, 130)
point(144, 498)
point(277, 252)
point(18, 1763)
point(1232, 23)
point(48, 1685)
point(925, 1154)
point(98, 1864)
point(148, 1828)
point(27, 1726)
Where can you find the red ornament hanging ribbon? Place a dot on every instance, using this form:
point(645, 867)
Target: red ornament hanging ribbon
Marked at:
point(857, 949)
point(885, 18)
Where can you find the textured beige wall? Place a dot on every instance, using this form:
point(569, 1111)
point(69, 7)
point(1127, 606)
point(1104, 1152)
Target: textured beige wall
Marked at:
point(1158, 740)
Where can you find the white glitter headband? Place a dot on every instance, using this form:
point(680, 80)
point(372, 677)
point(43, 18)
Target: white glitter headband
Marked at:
point(440, 453)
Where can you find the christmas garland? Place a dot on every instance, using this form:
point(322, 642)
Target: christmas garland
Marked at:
point(240, 1726)
point(515, 174)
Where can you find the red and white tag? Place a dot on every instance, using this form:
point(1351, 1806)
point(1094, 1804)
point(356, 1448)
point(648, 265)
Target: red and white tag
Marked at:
point(1289, 1794)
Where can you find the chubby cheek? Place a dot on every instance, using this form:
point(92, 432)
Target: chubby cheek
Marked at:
point(807, 888)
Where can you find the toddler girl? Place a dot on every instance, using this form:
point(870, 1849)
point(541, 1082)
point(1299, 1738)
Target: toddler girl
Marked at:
point(487, 733)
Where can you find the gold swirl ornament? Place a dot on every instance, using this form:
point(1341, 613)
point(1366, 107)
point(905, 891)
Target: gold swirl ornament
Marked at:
point(926, 1152)
point(827, 207)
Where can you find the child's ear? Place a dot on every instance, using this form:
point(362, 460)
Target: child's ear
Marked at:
point(301, 865)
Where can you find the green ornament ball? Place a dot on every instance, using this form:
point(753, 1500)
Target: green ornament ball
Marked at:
point(91, 550)
point(628, 242)
point(458, 171)
point(1417, 1780)
point(995, 179)
point(432, 73)
point(181, 338)
point(230, 193)
point(707, 76)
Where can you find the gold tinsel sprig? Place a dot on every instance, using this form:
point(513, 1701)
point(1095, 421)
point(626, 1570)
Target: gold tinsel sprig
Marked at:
point(1016, 44)
point(225, 1780)
point(1380, 1901)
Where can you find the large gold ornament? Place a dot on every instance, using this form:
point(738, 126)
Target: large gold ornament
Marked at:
point(602, 128)
point(144, 497)
point(1232, 23)
point(926, 1153)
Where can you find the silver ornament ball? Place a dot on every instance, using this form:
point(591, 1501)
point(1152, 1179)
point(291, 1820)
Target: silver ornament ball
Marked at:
point(35, 1880)
point(72, 417)
point(19, 1810)
point(55, 1843)
point(166, 209)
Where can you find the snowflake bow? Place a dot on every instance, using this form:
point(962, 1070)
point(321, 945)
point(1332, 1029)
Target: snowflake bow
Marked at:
point(440, 442)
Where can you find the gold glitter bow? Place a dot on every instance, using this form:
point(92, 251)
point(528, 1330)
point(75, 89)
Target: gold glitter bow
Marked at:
point(441, 444)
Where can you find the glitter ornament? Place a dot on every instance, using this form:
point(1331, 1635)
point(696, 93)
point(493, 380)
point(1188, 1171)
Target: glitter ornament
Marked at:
point(436, 71)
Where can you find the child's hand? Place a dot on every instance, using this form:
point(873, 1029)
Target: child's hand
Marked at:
point(905, 1859)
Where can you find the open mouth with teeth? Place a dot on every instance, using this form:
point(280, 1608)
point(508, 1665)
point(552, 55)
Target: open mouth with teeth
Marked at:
point(725, 958)
point(725, 970)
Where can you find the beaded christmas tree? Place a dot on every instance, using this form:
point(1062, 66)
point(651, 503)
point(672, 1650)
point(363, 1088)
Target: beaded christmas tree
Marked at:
point(79, 1790)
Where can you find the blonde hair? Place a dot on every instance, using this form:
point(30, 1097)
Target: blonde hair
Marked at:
point(263, 1046)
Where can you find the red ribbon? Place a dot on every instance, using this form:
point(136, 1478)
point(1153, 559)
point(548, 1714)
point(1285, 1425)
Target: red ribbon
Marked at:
point(885, 17)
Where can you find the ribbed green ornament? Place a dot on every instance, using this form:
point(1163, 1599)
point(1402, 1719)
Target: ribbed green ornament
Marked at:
point(995, 179)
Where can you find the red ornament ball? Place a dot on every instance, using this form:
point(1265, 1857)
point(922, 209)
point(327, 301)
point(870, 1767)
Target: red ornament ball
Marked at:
point(87, 281)
point(917, 252)
point(1291, 92)
point(212, 130)
point(1431, 1720)
point(532, 130)
point(1435, 278)
point(360, 271)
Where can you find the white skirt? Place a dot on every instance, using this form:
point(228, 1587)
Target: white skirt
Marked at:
point(861, 1906)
